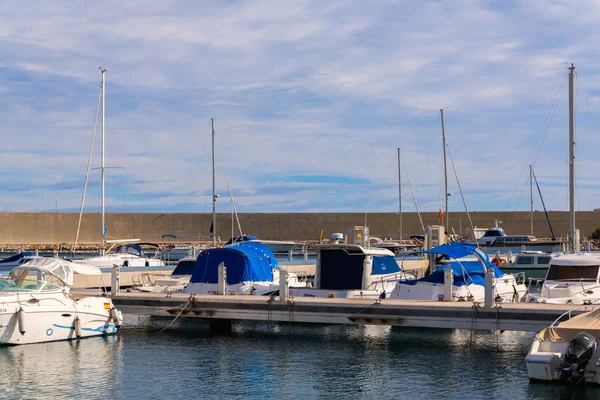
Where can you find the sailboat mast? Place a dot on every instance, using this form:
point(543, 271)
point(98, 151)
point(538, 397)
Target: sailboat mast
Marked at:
point(214, 196)
point(399, 197)
point(103, 70)
point(445, 173)
point(531, 197)
point(573, 240)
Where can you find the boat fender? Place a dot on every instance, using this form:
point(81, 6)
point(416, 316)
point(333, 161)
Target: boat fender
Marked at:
point(496, 261)
point(21, 320)
point(116, 317)
point(77, 326)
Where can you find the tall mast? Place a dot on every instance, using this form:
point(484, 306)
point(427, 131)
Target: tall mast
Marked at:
point(531, 197)
point(399, 197)
point(214, 195)
point(573, 242)
point(445, 173)
point(103, 70)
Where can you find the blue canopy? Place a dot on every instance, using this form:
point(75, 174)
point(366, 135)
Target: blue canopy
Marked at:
point(464, 272)
point(459, 250)
point(135, 249)
point(384, 265)
point(247, 261)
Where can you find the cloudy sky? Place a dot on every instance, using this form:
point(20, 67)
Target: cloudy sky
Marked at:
point(311, 101)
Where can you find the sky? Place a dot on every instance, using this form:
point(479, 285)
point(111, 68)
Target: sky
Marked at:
point(311, 100)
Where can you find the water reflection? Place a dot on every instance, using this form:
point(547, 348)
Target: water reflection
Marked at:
point(263, 360)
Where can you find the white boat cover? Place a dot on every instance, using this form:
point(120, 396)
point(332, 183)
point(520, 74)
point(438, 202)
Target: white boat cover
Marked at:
point(63, 270)
point(565, 331)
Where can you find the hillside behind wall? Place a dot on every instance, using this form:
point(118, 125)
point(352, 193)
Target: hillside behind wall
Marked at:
point(48, 228)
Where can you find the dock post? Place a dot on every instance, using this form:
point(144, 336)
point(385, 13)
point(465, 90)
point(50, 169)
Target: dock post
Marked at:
point(115, 280)
point(290, 256)
point(448, 282)
point(305, 252)
point(489, 288)
point(37, 252)
point(284, 289)
point(222, 284)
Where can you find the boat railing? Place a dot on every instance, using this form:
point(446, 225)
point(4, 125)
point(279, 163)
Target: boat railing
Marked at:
point(558, 320)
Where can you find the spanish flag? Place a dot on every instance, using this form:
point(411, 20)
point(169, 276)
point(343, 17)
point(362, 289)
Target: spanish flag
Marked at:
point(441, 216)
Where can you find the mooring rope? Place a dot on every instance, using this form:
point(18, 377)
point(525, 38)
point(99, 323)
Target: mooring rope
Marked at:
point(178, 314)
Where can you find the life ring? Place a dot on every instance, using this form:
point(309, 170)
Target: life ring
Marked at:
point(169, 247)
point(496, 261)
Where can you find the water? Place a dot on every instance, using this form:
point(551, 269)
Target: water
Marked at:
point(269, 361)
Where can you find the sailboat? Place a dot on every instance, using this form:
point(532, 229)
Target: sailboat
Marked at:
point(122, 252)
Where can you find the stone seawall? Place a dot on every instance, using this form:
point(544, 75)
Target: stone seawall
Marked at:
point(50, 228)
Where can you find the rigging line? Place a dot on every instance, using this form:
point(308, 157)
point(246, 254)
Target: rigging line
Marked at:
point(411, 192)
point(229, 188)
point(461, 192)
point(87, 171)
point(587, 102)
point(552, 107)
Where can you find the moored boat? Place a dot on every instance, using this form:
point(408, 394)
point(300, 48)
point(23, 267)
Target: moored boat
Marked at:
point(43, 310)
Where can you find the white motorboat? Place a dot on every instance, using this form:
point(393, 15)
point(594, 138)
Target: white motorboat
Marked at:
point(251, 268)
point(468, 278)
point(571, 279)
point(490, 235)
point(276, 246)
point(567, 351)
point(352, 271)
point(126, 255)
point(42, 309)
point(533, 263)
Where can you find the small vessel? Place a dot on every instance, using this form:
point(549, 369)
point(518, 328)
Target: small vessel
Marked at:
point(395, 247)
point(8, 263)
point(568, 351)
point(353, 271)
point(176, 282)
point(571, 279)
point(276, 246)
point(251, 268)
point(491, 234)
point(42, 309)
point(533, 263)
point(125, 255)
point(468, 278)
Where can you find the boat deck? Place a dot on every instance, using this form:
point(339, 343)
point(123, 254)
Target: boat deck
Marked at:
point(429, 314)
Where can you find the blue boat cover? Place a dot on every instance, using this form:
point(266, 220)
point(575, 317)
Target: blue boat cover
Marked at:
point(464, 272)
point(384, 265)
point(129, 249)
point(247, 261)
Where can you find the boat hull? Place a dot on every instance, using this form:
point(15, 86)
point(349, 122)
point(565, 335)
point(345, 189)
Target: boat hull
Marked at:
point(51, 320)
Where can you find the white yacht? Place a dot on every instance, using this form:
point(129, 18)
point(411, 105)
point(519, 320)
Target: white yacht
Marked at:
point(42, 309)
point(534, 263)
point(251, 268)
point(125, 255)
point(568, 351)
point(352, 271)
point(571, 279)
point(276, 246)
point(468, 278)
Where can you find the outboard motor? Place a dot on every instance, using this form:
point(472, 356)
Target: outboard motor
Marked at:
point(578, 355)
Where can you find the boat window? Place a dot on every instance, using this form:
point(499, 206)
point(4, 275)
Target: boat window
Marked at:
point(184, 268)
point(341, 270)
point(544, 260)
point(575, 273)
point(27, 285)
point(493, 233)
point(525, 260)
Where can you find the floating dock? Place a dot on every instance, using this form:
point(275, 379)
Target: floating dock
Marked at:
point(222, 309)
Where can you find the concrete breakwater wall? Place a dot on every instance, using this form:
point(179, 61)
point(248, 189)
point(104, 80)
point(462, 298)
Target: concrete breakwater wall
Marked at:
point(55, 228)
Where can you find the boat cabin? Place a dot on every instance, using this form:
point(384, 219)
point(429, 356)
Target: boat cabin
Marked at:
point(583, 267)
point(533, 259)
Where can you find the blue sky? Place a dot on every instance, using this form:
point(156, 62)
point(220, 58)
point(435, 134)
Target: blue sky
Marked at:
point(311, 100)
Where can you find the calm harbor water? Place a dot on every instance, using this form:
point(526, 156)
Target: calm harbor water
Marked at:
point(270, 361)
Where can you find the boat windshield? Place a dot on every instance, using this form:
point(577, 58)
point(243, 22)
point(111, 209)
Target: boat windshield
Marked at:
point(27, 285)
point(572, 273)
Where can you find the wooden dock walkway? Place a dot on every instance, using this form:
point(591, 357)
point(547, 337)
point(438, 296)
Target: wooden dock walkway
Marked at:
point(429, 314)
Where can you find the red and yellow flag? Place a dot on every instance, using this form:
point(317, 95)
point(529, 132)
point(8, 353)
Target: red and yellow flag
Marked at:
point(441, 216)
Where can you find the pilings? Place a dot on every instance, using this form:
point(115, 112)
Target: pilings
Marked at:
point(115, 280)
point(448, 282)
point(222, 282)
